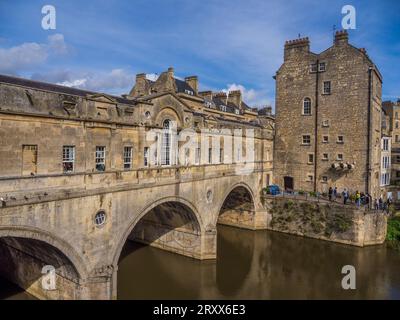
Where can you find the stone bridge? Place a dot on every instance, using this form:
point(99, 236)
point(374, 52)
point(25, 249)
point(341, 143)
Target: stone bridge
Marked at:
point(79, 223)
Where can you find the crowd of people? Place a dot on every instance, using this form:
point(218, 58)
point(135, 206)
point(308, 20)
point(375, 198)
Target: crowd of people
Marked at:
point(360, 199)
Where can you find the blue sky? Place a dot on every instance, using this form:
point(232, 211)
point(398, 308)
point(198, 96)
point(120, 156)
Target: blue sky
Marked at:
point(101, 45)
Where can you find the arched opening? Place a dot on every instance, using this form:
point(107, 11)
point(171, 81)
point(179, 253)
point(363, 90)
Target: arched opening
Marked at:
point(306, 106)
point(234, 246)
point(238, 208)
point(23, 262)
point(166, 143)
point(171, 226)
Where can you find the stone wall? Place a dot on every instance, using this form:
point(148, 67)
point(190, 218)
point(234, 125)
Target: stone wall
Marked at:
point(343, 112)
point(327, 221)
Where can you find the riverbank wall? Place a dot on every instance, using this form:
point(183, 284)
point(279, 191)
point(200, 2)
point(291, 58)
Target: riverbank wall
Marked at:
point(326, 221)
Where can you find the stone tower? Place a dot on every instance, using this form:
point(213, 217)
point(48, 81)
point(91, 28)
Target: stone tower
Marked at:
point(328, 126)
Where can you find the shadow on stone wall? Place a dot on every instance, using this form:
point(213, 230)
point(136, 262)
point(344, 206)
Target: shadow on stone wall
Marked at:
point(22, 261)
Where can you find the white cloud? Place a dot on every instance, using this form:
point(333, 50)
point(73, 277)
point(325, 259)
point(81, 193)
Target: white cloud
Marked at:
point(117, 81)
point(252, 97)
point(74, 83)
point(29, 55)
point(152, 76)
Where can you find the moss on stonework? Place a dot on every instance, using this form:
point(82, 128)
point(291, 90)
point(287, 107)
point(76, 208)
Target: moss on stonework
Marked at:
point(309, 218)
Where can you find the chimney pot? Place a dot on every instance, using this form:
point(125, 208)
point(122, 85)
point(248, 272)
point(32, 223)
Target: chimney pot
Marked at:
point(341, 37)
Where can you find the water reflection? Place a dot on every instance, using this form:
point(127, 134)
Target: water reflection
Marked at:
point(253, 265)
point(260, 265)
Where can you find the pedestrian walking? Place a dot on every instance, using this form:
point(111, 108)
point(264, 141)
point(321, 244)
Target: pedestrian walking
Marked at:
point(368, 200)
point(358, 199)
point(330, 192)
point(376, 204)
point(345, 195)
point(335, 194)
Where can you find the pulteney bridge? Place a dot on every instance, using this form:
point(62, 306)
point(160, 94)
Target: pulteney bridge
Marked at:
point(77, 182)
point(175, 209)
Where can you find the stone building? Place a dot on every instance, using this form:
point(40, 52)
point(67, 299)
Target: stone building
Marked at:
point(51, 129)
point(386, 149)
point(328, 118)
point(82, 172)
point(392, 112)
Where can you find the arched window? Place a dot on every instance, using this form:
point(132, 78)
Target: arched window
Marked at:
point(166, 144)
point(307, 106)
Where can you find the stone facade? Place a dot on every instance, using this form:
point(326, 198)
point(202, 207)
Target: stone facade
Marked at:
point(392, 112)
point(77, 180)
point(327, 221)
point(328, 118)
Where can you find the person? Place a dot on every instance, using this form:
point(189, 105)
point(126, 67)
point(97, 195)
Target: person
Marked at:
point(367, 200)
point(358, 199)
point(376, 204)
point(362, 195)
point(380, 201)
point(335, 194)
point(387, 205)
point(330, 192)
point(345, 195)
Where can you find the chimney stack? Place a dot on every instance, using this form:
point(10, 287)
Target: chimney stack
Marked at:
point(236, 98)
point(171, 72)
point(193, 82)
point(292, 47)
point(341, 37)
point(206, 94)
point(140, 86)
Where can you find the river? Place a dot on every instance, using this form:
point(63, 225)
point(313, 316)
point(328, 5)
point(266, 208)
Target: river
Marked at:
point(254, 265)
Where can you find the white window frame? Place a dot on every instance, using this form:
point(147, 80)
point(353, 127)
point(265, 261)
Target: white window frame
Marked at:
point(100, 157)
point(324, 87)
point(306, 143)
point(128, 155)
point(307, 107)
point(68, 157)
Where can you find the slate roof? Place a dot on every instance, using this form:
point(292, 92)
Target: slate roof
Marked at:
point(56, 88)
point(181, 86)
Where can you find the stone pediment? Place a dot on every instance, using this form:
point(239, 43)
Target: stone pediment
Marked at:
point(101, 97)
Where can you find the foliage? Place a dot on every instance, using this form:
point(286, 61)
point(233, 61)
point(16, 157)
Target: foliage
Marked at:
point(393, 230)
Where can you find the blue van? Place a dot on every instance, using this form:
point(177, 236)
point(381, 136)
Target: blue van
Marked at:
point(273, 189)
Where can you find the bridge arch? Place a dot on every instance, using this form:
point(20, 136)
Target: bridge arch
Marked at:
point(237, 207)
point(49, 239)
point(182, 203)
point(25, 251)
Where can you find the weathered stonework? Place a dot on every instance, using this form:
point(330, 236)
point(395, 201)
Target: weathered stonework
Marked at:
point(352, 110)
point(327, 221)
point(47, 215)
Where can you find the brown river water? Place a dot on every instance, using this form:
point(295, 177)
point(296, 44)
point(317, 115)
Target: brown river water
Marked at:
point(254, 265)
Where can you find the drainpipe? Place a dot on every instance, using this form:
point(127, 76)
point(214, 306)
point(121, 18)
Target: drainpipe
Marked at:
point(367, 180)
point(316, 126)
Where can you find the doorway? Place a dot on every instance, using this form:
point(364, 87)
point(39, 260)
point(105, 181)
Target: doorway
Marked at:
point(288, 183)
